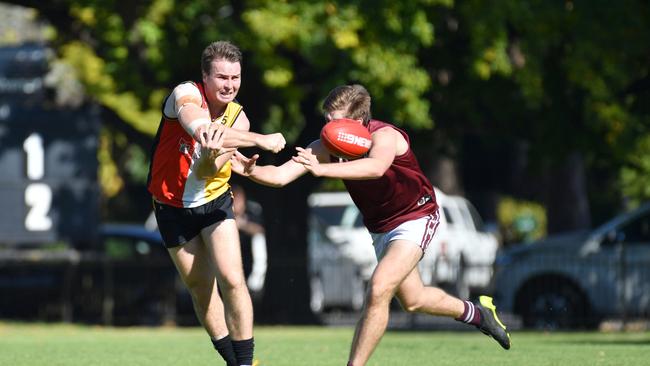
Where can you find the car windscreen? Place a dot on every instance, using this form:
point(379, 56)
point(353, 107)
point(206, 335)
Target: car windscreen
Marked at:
point(476, 218)
point(328, 215)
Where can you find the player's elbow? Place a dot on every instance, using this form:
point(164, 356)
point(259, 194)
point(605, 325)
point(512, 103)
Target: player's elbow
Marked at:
point(377, 171)
point(376, 174)
point(273, 183)
point(277, 184)
point(283, 180)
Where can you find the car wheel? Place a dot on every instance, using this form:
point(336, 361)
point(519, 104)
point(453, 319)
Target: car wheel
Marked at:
point(552, 304)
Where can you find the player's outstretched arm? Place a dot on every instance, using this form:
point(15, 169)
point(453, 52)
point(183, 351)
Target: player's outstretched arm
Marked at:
point(380, 157)
point(185, 104)
point(268, 175)
point(241, 137)
point(233, 137)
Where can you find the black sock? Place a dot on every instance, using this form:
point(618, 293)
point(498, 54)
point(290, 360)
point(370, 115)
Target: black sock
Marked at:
point(244, 351)
point(225, 349)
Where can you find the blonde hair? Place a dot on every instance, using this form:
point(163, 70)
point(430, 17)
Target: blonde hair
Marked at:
point(354, 100)
point(217, 51)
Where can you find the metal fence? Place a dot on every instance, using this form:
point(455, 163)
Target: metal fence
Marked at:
point(577, 289)
point(571, 290)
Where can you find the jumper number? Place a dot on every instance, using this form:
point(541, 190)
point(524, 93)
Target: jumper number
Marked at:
point(38, 196)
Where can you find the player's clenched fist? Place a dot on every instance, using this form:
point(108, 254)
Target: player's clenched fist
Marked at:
point(272, 142)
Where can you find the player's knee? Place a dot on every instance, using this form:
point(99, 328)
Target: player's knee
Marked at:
point(232, 282)
point(379, 292)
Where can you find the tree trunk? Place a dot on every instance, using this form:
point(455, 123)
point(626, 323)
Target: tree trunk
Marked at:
point(445, 176)
point(286, 293)
point(566, 197)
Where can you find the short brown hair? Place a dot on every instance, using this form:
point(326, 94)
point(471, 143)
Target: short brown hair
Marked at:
point(217, 51)
point(353, 99)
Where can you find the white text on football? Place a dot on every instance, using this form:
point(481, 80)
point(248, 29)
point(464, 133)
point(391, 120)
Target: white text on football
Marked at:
point(353, 139)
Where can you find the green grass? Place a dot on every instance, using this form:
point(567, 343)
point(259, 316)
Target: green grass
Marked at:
point(69, 345)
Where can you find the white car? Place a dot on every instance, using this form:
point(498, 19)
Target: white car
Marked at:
point(340, 254)
point(341, 257)
point(464, 253)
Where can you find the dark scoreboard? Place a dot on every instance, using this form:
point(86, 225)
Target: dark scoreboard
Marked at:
point(48, 158)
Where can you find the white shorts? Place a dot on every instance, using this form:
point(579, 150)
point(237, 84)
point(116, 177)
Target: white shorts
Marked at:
point(419, 232)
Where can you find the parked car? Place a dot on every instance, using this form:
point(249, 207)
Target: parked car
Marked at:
point(341, 257)
point(340, 254)
point(577, 279)
point(464, 251)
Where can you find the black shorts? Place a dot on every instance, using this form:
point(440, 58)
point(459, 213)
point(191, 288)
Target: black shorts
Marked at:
point(178, 225)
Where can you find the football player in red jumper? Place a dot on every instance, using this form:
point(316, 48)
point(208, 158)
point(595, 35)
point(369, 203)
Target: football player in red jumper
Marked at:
point(201, 125)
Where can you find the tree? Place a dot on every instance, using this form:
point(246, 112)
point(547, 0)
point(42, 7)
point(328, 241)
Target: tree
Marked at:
point(527, 98)
point(581, 74)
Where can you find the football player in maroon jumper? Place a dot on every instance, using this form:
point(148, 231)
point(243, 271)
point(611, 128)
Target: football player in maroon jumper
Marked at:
point(399, 209)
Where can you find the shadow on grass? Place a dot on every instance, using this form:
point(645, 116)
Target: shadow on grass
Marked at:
point(604, 342)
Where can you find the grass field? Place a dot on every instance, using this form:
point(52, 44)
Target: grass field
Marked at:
point(38, 344)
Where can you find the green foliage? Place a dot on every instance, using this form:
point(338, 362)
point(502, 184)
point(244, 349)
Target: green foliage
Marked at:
point(91, 70)
point(634, 175)
point(521, 221)
point(331, 185)
point(136, 164)
point(341, 42)
point(133, 59)
point(561, 76)
point(109, 179)
point(576, 65)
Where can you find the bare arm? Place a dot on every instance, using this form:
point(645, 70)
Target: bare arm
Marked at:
point(270, 175)
point(240, 137)
point(186, 103)
point(385, 145)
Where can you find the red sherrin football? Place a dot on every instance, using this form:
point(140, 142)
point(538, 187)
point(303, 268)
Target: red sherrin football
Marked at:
point(345, 138)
